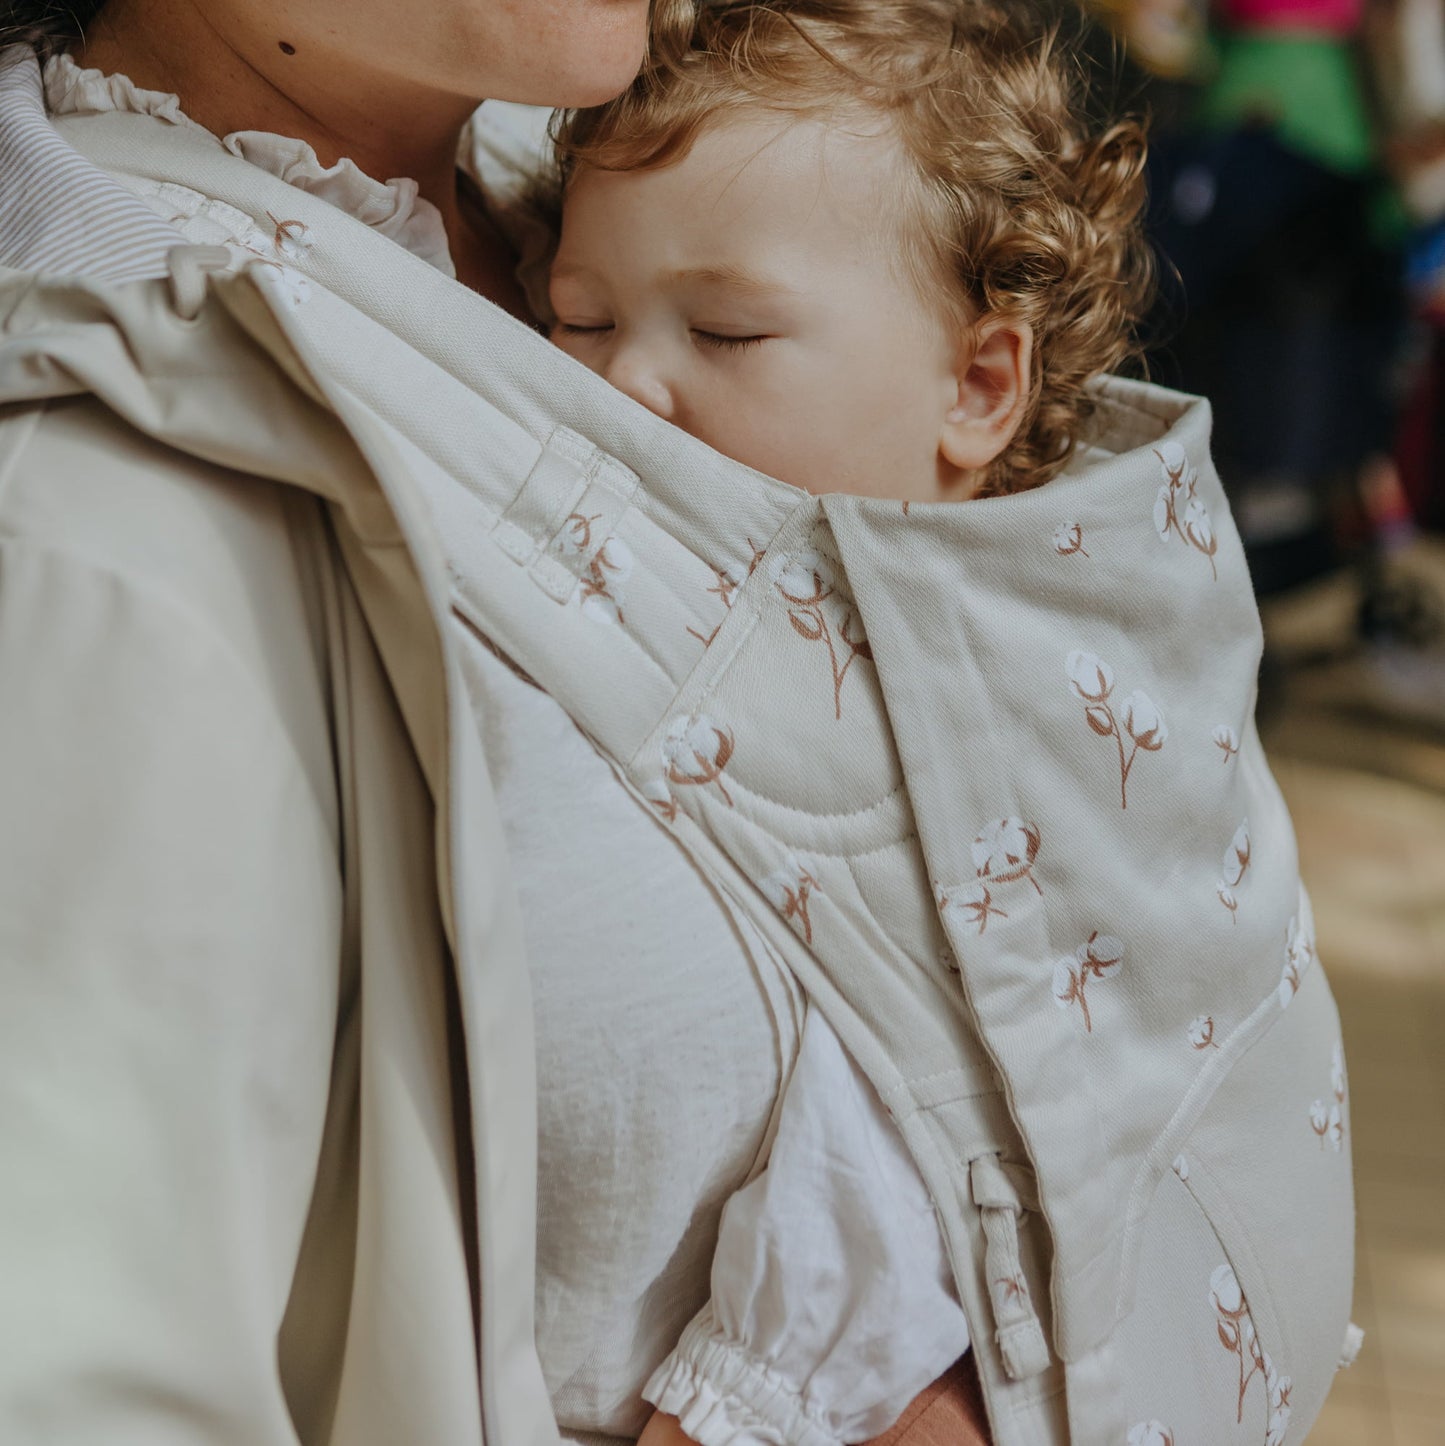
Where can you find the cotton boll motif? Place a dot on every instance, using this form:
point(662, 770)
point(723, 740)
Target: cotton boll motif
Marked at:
point(1235, 1329)
point(969, 907)
point(808, 583)
point(1099, 957)
point(609, 564)
point(1327, 1116)
point(1143, 722)
point(790, 889)
point(1091, 677)
point(1150, 1433)
point(1298, 955)
point(1138, 720)
point(1237, 858)
point(1279, 1388)
point(1005, 850)
point(696, 752)
point(729, 580)
point(1179, 511)
point(1201, 1032)
point(659, 795)
point(1227, 741)
point(1069, 540)
point(292, 239)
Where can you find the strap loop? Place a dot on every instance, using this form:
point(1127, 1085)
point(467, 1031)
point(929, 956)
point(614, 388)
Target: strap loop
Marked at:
point(1002, 1193)
point(191, 267)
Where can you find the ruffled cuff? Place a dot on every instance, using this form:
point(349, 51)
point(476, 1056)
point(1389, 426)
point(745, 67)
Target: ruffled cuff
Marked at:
point(725, 1397)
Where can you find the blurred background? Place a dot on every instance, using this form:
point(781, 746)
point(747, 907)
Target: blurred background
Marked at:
point(1298, 185)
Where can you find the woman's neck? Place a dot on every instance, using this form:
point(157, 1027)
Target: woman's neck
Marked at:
point(249, 78)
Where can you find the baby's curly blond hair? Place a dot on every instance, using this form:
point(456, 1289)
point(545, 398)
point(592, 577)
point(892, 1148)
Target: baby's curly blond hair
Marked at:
point(1022, 205)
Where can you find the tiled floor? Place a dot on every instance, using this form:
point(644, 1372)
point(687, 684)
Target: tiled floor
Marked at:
point(1365, 776)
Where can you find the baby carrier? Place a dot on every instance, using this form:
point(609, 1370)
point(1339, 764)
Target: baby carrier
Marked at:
point(985, 776)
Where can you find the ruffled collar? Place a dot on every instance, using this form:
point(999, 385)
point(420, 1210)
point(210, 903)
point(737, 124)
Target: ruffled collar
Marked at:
point(394, 208)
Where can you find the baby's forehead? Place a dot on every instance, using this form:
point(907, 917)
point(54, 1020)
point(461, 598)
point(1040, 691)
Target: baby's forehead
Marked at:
point(835, 178)
point(844, 153)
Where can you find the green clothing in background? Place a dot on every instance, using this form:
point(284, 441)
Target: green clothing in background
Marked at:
point(1305, 87)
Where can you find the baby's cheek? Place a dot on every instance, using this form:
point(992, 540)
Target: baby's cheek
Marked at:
point(768, 434)
point(784, 421)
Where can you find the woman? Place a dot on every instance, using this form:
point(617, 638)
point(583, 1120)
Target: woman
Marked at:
point(269, 1112)
point(268, 1166)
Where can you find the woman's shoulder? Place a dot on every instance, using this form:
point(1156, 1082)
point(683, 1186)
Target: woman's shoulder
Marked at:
point(210, 557)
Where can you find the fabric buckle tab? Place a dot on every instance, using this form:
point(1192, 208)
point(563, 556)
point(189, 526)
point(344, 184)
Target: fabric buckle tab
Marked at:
point(1002, 1193)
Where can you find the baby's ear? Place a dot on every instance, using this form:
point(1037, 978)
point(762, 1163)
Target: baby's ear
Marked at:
point(995, 383)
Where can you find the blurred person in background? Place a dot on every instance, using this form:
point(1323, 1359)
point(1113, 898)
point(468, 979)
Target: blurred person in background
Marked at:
point(1406, 42)
point(1271, 207)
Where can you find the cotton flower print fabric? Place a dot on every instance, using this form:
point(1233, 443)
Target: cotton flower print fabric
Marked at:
point(282, 245)
point(697, 752)
point(289, 286)
point(660, 796)
point(971, 906)
point(1138, 718)
point(1227, 741)
point(1150, 1433)
point(728, 583)
point(1005, 850)
point(1327, 1116)
point(729, 580)
point(1237, 859)
point(1179, 511)
point(612, 564)
point(790, 889)
point(1069, 540)
point(292, 240)
point(821, 613)
point(1299, 953)
point(1201, 1032)
point(1238, 1336)
point(1099, 957)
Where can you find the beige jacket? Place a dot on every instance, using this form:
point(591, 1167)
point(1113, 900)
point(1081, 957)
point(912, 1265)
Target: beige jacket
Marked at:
point(985, 774)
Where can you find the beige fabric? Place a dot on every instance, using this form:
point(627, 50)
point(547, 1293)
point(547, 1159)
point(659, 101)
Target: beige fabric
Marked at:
point(134, 574)
point(967, 804)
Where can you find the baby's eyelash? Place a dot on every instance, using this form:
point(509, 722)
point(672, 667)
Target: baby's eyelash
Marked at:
point(568, 328)
point(726, 343)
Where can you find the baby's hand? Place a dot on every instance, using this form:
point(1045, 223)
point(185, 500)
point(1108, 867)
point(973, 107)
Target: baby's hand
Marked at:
point(664, 1431)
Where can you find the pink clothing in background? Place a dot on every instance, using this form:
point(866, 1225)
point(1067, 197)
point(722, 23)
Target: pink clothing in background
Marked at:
point(1317, 17)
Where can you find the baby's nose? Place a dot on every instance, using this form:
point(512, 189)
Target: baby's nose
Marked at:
point(630, 371)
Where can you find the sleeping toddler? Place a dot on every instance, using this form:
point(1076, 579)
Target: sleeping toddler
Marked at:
point(866, 246)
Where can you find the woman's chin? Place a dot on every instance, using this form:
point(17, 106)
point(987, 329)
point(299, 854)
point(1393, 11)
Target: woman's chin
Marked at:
point(585, 63)
point(592, 84)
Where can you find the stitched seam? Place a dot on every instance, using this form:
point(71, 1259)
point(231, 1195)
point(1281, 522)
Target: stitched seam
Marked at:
point(1187, 1114)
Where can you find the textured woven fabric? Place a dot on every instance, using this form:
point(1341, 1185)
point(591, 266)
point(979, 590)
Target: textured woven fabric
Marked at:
point(985, 776)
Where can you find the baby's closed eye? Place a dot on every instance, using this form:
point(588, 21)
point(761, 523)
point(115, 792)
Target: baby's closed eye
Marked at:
point(728, 341)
